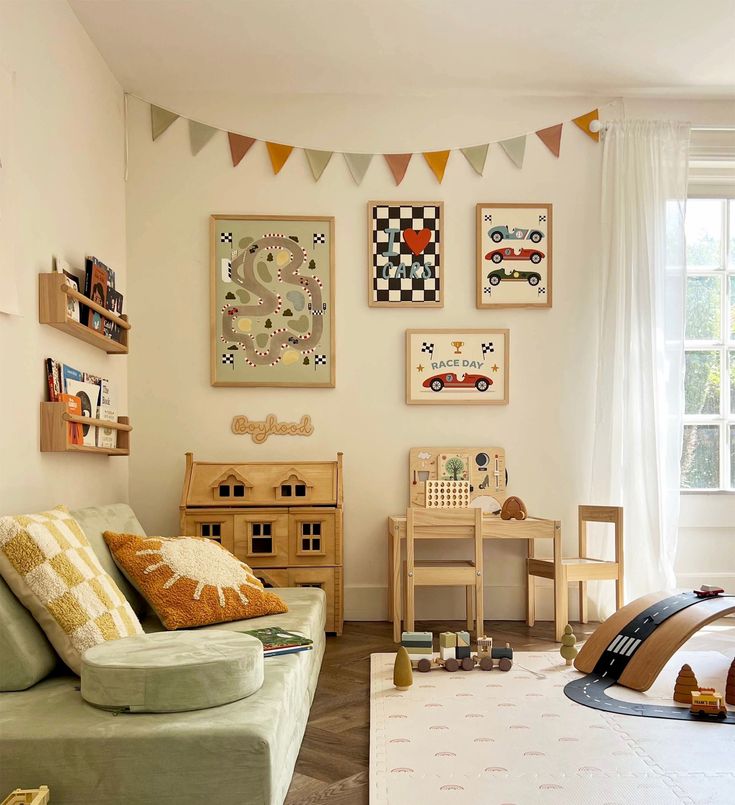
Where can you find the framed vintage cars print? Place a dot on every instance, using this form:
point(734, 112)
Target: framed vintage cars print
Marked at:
point(405, 254)
point(272, 300)
point(514, 244)
point(457, 367)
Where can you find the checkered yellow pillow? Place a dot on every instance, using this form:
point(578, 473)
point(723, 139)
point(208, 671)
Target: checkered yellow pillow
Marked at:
point(48, 563)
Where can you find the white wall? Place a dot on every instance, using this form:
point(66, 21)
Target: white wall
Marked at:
point(68, 184)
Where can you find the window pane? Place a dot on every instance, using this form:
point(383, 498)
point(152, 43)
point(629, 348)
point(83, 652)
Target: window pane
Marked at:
point(732, 381)
point(700, 457)
point(702, 382)
point(703, 308)
point(704, 233)
point(732, 456)
point(732, 234)
point(732, 304)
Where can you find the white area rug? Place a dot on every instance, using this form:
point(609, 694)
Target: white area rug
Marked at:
point(501, 738)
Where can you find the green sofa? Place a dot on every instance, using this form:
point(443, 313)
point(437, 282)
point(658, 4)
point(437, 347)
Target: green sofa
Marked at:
point(237, 754)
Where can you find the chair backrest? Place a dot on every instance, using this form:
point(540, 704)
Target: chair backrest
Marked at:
point(424, 523)
point(601, 514)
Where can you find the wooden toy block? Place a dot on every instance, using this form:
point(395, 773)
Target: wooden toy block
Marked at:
point(418, 644)
point(484, 646)
point(463, 645)
point(685, 684)
point(402, 671)
point(448, 645)
point(513, 509)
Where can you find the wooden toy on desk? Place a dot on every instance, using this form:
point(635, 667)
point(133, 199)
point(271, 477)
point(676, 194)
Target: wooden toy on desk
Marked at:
point(513, 509)
point(730, 684)
point(568, 649)
point(402, 671)
point(685, 684)
point(707, 702)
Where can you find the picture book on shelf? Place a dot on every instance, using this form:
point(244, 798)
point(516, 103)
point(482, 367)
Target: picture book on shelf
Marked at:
point(53, 375)
point(72, 305)
point(114, 305)
point(106, 437)
point(89, 397)
point(98, 294)
point(280, 641)
point(73, 406)
point(69, 373)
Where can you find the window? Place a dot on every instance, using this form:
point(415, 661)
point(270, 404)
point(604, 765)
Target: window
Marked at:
point(224, 490)
point(286, 490)
point(210, 530)
point(300, 490)
point(238, 490)
point(261, 538)
point(708, 450)
point(311, 537)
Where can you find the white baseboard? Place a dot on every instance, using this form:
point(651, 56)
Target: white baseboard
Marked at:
point(726, 580)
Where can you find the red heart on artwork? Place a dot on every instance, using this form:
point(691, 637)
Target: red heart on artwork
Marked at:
point(417, 241)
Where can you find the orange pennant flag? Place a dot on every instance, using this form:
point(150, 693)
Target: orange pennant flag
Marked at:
point(583, 121)
point(551, 138)
point(437, 161)
point(239, 146)
point(398, 163)
point(279, 154)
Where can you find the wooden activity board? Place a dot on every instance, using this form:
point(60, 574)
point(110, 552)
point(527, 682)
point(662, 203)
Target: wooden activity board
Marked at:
point(483, 467)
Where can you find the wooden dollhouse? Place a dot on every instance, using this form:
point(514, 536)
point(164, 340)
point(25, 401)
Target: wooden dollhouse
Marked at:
point(284, 519)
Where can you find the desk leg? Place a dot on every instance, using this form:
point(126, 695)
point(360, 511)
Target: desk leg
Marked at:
point(561, 594)
point(530, 589)
point(396, 587)
point(391, 614)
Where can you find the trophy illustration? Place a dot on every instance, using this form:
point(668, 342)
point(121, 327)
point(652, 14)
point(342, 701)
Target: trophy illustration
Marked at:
point(457, 346)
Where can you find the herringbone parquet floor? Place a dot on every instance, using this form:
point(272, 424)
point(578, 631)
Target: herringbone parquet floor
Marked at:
point(333, 763)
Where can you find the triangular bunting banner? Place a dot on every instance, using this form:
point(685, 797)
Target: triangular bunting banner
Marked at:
point(551, 138)
point(318, 160)
point(398, 164)
point(476, 156)
point(358, 165)
point(515, 148)
point(437, 161)
point(583, 121)
point(279, 154)
point(199, 135)
point(239, 146)
point(161, 119)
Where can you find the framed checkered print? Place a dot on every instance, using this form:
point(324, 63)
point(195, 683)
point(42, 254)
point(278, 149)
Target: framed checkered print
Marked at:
point(405, 254)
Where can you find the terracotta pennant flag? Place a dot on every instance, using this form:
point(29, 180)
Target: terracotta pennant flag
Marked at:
point(476, 156)
point(358, 165)
point(515, 148)
point(551, 138)
point(318, 160)
point(398, 164)
point(279, 154)
point(583, 121)
point(437, 161)
point(239, 146)
point(161, 119)
point(199, 135)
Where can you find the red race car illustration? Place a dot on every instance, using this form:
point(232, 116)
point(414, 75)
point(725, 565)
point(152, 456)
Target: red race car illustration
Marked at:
point(509, 253)
point(450, 380)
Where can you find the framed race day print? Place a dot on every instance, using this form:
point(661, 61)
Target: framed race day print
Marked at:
point(272, 300)
point(457, 367)
point(514, 255)
point(405, 254)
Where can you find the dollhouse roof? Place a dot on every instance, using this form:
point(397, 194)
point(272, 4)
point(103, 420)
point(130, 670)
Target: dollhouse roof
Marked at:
point(293, 473)
point(229, 473)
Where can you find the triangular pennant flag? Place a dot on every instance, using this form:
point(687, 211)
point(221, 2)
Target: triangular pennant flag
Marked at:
point(239, 146)
point(161, 119)
point(476, 156)
point(398, 163)
point(279, 154)
point(583, 121)
point(318, 160)
point(515, 148)
point(358, 165)
point(437, 161)
point(551, 138)
point(199, 135)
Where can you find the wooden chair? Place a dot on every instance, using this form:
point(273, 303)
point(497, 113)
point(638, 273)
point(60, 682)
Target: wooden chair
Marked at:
point(579, 569)
point(454, 524)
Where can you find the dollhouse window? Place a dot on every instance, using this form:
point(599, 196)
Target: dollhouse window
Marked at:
point(311, 537)
point(286, 491)
point(300, 490)
point(224, 490)
point(261, 538)
point(210, 530)
point(318, 584)
point(238, 490)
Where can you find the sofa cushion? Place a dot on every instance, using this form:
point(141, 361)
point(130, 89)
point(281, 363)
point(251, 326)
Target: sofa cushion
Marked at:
point(49, 564)
point(191, 581)
point(114, 517)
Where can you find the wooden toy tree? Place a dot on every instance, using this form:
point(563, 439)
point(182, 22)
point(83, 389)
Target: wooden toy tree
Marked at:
point(568, 641)
point(402, 672)
point(730, 684)
point(686, 682)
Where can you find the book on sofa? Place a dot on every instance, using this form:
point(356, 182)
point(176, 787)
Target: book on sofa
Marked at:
point(280, 641)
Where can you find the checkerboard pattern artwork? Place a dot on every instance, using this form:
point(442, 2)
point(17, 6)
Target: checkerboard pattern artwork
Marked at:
point(402, 217)
point(228, 358)
point(319, 238)
point(487, 347)
point(225, 237)
point(320, 360)
point(48, 562)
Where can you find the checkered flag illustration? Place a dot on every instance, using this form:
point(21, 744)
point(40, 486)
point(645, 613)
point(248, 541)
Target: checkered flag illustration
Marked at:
point(428, 348)
point(488, 218)
point(542, 219)
point(320, 360)
point(487, 347)
point(228, 358)
point(319, 238)
point(225, 237)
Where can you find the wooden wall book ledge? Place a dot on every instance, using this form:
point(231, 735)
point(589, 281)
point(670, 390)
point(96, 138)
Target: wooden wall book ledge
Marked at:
point(55, 432)
point(53, 294)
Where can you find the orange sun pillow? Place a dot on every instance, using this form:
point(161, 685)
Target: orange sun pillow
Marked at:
point(191, 581)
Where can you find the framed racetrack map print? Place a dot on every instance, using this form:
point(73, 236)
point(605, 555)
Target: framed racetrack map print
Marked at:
point(405, 254)
point(514, 255)
point(272, 301)
point(457, 367)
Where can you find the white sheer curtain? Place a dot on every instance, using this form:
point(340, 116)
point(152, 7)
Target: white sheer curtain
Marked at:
point(639, 407)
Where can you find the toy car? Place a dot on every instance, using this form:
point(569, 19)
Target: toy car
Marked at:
point(452, 381)
point(509, 253)
point(707, 702)
point(705, 591)
point(497, 276)
point(498, 233)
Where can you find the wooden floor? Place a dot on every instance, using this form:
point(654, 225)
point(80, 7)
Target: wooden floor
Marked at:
point(333, 763)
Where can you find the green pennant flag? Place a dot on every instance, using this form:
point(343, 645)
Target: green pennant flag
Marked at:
point(161, 119)
point(199, 135)
point(358, 165)
point(318, 160)
point(515, 148)
point(476, 156)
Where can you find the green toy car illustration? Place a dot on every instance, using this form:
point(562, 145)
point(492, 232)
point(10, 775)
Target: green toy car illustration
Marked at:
point(500, 275)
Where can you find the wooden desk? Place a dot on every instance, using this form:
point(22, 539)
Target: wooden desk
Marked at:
point(493, 527)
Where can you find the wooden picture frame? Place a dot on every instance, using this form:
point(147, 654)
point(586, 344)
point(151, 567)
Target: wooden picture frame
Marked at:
point(419, 282)
point(458, 356)
point(523, 232)
point(270, 326)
